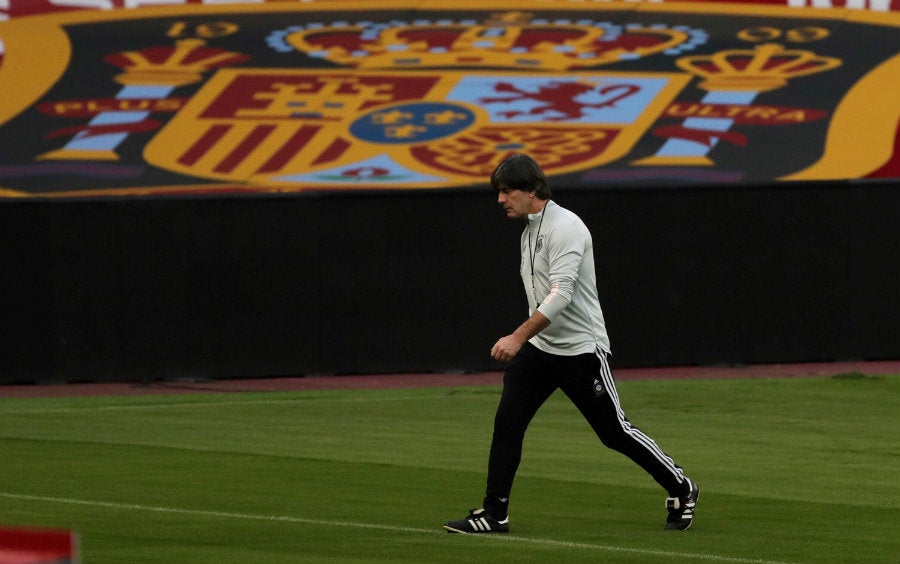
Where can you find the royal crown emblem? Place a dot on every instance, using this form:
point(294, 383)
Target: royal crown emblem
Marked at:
point(766, 67)
point(513, 40)
point(171, 66)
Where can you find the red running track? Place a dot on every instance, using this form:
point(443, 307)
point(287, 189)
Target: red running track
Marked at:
point(821, 369)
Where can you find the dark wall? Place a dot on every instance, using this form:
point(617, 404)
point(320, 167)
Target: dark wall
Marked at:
point(222, 287)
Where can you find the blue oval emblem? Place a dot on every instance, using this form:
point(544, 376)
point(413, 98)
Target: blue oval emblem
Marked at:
point(412, 123)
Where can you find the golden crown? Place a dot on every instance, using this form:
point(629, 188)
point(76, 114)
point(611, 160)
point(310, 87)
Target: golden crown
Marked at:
point(172, 66)
point(503, 40)
point(766, 67)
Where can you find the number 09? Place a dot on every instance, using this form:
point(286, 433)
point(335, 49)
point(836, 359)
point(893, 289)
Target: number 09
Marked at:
point(795, 35)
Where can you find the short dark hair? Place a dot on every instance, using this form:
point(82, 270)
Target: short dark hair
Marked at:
point(521, 172)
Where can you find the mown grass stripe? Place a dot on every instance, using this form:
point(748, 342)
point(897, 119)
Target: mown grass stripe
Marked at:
point(382, 527)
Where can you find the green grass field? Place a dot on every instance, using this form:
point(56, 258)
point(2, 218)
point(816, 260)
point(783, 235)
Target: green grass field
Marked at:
point(791, 470)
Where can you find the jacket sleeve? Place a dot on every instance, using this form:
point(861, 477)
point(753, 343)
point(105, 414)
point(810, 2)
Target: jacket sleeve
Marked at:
point(565, 252)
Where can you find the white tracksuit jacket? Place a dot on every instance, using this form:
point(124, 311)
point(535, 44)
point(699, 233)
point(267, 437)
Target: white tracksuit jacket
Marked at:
point(558, 273)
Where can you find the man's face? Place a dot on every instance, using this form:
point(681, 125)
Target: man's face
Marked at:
point(516, 203)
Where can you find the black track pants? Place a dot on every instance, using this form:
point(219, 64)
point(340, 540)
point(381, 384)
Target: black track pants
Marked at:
point(586, 379)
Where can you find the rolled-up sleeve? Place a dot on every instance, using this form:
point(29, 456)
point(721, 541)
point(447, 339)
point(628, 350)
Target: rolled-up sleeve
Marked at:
point(565, 253)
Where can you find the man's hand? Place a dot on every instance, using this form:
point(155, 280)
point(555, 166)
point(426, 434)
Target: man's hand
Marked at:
point(506, 348)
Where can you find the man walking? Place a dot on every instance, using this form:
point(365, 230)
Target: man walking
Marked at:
point(563, 344)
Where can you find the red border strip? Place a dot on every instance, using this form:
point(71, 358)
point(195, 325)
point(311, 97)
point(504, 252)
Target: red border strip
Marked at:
point(23, 8)
point(399, 381)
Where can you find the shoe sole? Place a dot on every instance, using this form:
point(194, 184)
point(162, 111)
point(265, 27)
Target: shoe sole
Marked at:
point(459, 532)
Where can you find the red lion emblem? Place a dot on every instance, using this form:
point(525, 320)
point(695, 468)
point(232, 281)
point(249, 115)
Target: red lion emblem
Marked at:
point(559, 96)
